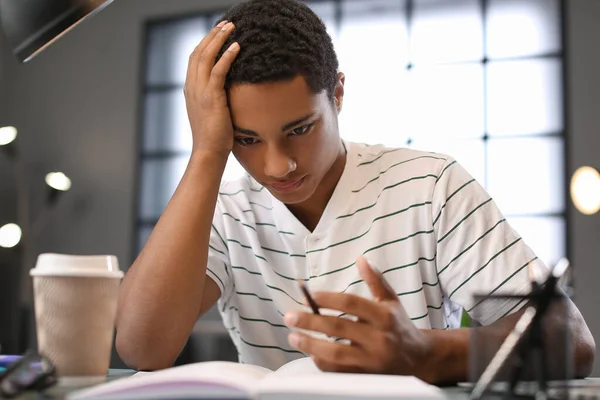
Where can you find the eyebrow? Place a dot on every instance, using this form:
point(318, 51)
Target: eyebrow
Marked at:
point(283, 129)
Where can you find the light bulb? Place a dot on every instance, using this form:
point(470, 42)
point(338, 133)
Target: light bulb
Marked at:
point(585, 190)
point(10, 235)
point(58, 181)
point(7, 135)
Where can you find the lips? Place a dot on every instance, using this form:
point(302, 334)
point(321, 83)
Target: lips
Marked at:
point(287, 186)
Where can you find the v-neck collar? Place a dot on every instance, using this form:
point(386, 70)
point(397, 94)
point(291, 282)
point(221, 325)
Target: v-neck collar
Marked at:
point(335, 206)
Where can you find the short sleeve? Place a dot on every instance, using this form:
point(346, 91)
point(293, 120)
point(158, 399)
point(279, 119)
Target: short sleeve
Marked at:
point(478, 252)
point(218, 267)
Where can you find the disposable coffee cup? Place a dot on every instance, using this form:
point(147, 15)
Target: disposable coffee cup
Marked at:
point(75, 299)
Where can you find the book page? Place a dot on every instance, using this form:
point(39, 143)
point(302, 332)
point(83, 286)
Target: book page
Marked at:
point(301, 366)
point(204, 378)
point(345, 386)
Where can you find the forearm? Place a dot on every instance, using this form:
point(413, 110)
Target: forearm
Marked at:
point(448, 360)
point(161, 294)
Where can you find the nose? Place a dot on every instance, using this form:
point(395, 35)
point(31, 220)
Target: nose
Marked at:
point(278, 164)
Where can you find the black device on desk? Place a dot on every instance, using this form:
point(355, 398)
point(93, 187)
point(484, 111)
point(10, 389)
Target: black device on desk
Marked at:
point(526, 339)
point(32, 372)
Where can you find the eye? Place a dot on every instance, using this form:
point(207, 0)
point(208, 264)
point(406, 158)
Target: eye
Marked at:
point(302, 129)
point(246, 141)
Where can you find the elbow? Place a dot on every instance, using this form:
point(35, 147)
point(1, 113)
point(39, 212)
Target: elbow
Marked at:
point(585, 354)
point(141, 355)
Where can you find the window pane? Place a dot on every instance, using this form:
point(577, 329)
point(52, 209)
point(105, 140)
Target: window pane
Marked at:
point(169, 49)
point(519, 28)
point(372, 49)
point(525, 97)
point(445, 101)
point(545, 235)
point(166, 125)
point(159, 181)
point(143, 235)
point(526, 176)
point(233, 170)
point(326, 11)
point(469, 153)
point(446, 31)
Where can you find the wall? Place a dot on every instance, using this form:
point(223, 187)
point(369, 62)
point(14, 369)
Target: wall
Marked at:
point(584, 149)
point(76, 106)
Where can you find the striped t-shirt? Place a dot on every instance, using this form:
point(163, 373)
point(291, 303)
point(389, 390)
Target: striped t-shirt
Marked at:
point(426, 224)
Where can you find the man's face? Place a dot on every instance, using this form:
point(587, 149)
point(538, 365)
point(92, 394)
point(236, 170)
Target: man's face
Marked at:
point(286, 137)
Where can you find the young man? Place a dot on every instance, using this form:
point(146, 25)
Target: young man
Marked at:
point(264, 84)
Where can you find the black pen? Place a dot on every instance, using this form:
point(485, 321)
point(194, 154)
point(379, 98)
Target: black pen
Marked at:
point(309, 299)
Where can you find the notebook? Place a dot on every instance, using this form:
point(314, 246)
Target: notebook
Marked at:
point(297, 380)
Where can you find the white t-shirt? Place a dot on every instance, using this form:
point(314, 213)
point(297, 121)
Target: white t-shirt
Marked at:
point(426, 224)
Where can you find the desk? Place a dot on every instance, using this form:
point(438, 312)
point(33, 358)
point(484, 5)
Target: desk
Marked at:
point(58, 393)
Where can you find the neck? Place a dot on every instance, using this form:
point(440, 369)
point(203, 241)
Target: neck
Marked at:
point(310, 211)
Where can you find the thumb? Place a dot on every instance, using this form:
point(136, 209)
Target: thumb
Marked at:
point(379, 287)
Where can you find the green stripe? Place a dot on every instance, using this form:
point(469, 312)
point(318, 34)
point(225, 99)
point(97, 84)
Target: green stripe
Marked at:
point(409, 265)
point(257, 224)
point(284, 292)
point(512, 308)
point(444, 170)
point(260, 205)
point(252, 294)
point(245, 269)
point(257, 190)
point(394, 269)
point(247, 247)
point(216, 276)
point(220, 237)
point(370, 227)
point(448, 199)
point(265, 224)
point(411, 292)
point(421, 317)
point(392, 166)
point(275, 251)
point(464, 219)
point(263, 320)
point(269, 347)
point(377, 157)
point(226, 270)
point(240, 221)
point(471, 246)
point(436, 308)
point(217, 250)
point(371, 249)
point(503, 282)
point(384, 189)
point(231, 194)
point(276, 273)
point(483, 267)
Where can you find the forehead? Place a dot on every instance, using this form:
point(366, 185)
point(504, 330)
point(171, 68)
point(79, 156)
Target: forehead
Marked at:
point(274, 103)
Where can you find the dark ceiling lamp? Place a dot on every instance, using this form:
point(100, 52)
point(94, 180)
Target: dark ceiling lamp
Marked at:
point(32, 25)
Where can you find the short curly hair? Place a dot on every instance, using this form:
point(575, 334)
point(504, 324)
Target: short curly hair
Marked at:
point(280, 40)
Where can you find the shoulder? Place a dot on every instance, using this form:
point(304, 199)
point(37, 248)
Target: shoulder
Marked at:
point(397, 163)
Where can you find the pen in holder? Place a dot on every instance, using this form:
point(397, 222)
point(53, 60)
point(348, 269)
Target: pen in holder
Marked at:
point(528, 353)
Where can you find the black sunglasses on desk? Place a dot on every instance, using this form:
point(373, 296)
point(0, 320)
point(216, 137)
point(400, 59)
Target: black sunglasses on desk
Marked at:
point(32, 372)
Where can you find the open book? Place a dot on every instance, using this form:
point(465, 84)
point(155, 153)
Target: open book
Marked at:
point(297, 380)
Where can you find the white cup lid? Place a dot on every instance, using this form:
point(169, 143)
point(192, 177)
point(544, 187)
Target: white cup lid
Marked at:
point(80, 266)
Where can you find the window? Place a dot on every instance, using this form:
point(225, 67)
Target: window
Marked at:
point(480, 80)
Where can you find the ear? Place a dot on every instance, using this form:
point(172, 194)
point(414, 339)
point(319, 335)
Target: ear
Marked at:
point(339, 92)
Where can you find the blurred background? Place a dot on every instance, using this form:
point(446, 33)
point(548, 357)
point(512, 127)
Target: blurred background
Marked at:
point(510, 88)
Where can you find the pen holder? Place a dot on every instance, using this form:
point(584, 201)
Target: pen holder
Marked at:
point(535, 354)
